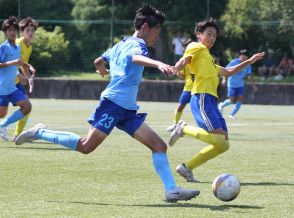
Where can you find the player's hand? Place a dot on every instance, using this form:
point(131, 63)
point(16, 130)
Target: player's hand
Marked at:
point(166, 69)
point(31, 84)
point(32, 70)
point(256, 57)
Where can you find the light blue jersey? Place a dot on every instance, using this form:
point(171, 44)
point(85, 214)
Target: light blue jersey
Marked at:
point(125, 75)
point(8, 52)
point(237, 80)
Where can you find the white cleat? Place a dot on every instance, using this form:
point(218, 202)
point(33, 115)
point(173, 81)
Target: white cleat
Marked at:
point(180, 194)
point(177, 133)
point(186, 173)
point(29, 135)
point(171, 127)
point(232, 117)
point(3, 134)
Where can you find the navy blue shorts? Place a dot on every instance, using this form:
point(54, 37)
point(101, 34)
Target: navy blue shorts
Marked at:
point(235, 92)
point(185, 97)
point(14, 97)
point(109, 115)
point(206, 113)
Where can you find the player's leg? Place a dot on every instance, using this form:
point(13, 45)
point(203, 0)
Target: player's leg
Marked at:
point(231, 93)
point(102, 121)
point(184, 100)
point(21, 123)
point(3, 112)
point(238, 102)
point(134, 125)
point(212, 130)
point(20, 99)
point(148, 137)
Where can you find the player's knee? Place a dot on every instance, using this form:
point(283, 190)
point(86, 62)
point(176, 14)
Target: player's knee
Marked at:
point(224, 146)
point(159, 148)
point(26, 108)
point(85, 148)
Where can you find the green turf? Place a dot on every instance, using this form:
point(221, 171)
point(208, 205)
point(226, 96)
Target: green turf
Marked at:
point(118, 180)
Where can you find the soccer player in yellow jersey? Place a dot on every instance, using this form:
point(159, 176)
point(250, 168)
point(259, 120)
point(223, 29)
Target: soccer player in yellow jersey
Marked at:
point(212, 127)
point(28, 27)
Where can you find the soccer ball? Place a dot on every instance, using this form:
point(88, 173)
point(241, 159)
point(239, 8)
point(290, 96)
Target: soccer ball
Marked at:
point(226, 187)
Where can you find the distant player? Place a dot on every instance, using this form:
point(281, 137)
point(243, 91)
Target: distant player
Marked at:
point(212, 127)
point(236, 84)
point(28, 27)
point(9, 62)
point(118, 106)
point(186, 94)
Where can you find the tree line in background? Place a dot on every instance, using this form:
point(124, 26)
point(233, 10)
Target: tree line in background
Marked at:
point(73, 32)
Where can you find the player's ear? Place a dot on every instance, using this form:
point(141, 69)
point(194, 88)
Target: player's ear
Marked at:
point(145, 27)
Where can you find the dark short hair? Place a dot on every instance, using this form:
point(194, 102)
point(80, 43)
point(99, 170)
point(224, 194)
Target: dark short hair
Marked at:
point(28, 21)
point(10, 21)
point(201, 26)
point(150, 15)
point(244, 52)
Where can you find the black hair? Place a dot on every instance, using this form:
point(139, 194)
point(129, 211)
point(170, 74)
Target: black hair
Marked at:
point(10, 21)
point(201, 26)
point(28, 21)
point(150, 15)
point(244, 52)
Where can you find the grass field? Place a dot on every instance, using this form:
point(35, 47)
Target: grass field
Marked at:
point(118, 180)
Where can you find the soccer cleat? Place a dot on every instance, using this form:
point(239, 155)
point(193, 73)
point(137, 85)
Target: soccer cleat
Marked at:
point(171, 127)
point(3, 133)
point(180, 194)
point(232, 117)
point(177, 133)
point(29, 135)
point(220, 107)
point(186, 173)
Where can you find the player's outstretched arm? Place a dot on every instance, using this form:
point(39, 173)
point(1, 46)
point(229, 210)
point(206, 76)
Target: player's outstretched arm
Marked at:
point(100, 66)
point(166, 69)
point(237, 68)
point(181, 64)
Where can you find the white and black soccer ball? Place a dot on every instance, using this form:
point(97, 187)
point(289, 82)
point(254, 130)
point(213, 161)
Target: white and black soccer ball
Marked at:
point(226, 187)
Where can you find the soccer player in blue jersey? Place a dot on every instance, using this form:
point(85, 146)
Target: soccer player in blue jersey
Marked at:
point(118, 106)
point(9, 62)
point(236, 84)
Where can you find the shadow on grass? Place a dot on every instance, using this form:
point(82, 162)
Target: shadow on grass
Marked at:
point(39, 148)
point(167, 205)
point(264, 183)
point(256, 183)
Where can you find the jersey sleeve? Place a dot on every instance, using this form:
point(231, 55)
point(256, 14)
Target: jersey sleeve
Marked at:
point(218, 68)
point(139, 49)
point(191, 50)
point(106, 55)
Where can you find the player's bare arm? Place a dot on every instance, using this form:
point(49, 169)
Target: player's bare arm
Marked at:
point(235, 69)
point(148, 62)
point(181, 64)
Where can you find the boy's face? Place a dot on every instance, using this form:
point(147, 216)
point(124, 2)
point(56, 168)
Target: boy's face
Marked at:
point(207, 37)
point(151, 34)
point(29, 33)
point(11, 33)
